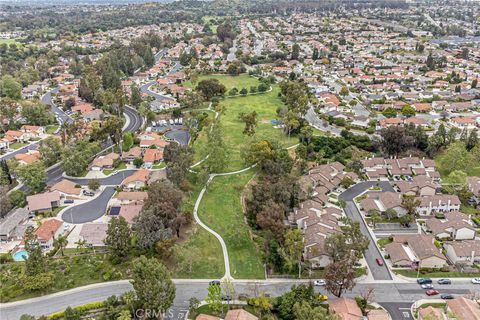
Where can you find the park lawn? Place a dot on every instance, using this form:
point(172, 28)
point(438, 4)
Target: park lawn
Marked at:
point(51, 129)
point(221, 210)
point(239, 82)
point(69, 272)
point(17, 145)
point(265, 105)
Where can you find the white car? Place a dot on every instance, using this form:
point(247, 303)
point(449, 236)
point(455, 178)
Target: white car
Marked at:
point(320, 282)
point(427, 286)
point(476, 280)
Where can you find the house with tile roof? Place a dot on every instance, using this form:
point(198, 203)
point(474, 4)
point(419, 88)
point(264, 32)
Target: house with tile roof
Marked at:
point(407, 249)
point(43, 202)
point(463, 308)
point(455, 226)
point(136, 181)
point(48, 231)
point(465, 252)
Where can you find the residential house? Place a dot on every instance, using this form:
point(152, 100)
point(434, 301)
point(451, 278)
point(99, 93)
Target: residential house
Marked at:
point(94, 234)
point(48, 232)
point(430, 313)
point(151, 157)
point(132, 196)
point(407, 249)
point(463, 252)
point(468, 123)
point(29, 157)
point(32, 132)
point(473, 184)
point(67, 188)
point(383, 201)
point(345, 309)
point(132, 154)
point(463, 308)
point(438, 203)
point(130, 211)
point(43, 202)
point(239, 314)
point(455, 226)
point(104, 162)
point(9, 223)
point(419, 186)
point(148, 140)
point(136, 181)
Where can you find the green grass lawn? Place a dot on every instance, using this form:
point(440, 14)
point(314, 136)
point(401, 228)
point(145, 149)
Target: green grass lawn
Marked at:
point(51, 129)
point(120, 166)
point(221, 210)
point(383, 242)
point(69, 272)
point(160, 165)
point(17, 145)
point(239, 82)
point(265, 105)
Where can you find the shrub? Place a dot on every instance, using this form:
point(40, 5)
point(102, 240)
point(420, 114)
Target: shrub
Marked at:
point(82, 308)
point(4, 258)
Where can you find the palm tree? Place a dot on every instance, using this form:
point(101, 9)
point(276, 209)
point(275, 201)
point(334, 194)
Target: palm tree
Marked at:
point(61, 242)
point(81, 244)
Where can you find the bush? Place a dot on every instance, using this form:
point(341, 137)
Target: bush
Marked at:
point(82, 308)
point(4, 258)
point(18, 198)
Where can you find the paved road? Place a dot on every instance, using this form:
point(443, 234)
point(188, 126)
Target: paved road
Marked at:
point(112, 180)
point(394, 297)
point(89, 211)
point(351, 210)
point(181, 136)
point(61, 116)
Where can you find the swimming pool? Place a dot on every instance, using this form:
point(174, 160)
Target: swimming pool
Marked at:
point(20, 255)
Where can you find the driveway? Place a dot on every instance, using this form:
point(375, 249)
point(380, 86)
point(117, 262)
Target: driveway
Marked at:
point(89, 211)
point(351, 210)
point(181, 136)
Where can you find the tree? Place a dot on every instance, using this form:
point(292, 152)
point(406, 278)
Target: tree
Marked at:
point(135, 97)
point(294, 244)
point(178, 159)
point(35, 263)
point(344, 91)
point(315, 54)
point(408, 111)
point(250, 120)
point(456, 157)
point(93, 184)
point(127, 141)
point(303, 310)
point(261, 304)
point(50, 150)
point(5, 204)
point(472, 140)
point(218, 156)
point(18, 198)
point(395, 141)
point(10, 88)
point(210, 88)
point(374, 217)
point(286, 302)
point(60, 242)
point(390, 112)
point(138, 162)
point(152, 284)
point(214, 297)
point(295, 51)
point(36, 113)
point(410, 203)
point(118, 238)
point(474, 83)
point(340, 276)
point(244, 91)
point(272, 218)
point(33, 175)
point(457, 177)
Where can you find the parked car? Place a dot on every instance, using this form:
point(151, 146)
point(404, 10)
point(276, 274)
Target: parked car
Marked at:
point(444, 281)
point(427, 286)
point(68, 201)
point(320, 282)
point(447, 296)
point(431, 292)
point(476, 280)
point(214, 283)
point(226, 297)
point(88, 193)
point(379, 262)
point(424, 280)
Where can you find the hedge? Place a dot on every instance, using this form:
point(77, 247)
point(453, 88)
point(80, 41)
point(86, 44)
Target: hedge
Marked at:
point(82, 308)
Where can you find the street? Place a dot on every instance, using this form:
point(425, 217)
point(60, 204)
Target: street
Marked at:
point(396, 297)
point(89, 211)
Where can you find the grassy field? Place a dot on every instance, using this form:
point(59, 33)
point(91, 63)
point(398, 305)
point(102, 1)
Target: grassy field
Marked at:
point(122, 165)
point(17, 145)
point(265, 105)
point(472, 171)
point(239, 82)
point(221, 210)
point(69, 272)
point(51, 129)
